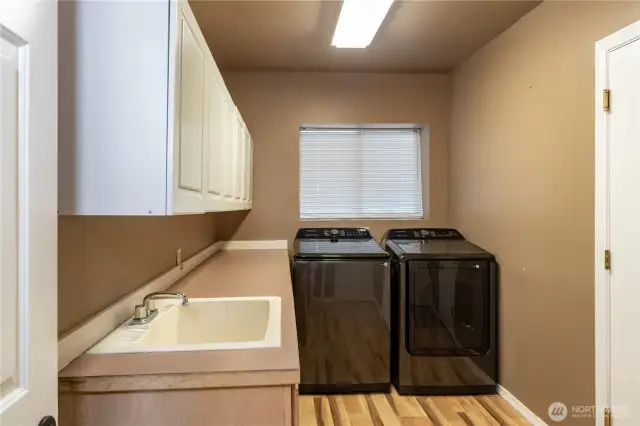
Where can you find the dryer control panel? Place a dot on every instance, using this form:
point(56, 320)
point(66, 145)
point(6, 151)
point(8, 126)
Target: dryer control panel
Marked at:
point(424, 234)
point(334, 234)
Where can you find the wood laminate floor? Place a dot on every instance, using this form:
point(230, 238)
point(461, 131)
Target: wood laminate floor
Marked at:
point(395, 410)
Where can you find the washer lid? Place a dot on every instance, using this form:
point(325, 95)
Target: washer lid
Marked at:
point(423, 234)
point(437, 249)
point(323, 248)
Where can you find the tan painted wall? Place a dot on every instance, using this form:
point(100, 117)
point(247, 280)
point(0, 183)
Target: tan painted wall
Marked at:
point(522, 185)
point(274, 105)
point(101, 259)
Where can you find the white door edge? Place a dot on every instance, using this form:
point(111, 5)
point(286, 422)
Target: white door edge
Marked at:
point(602, 354)
point(28, 203)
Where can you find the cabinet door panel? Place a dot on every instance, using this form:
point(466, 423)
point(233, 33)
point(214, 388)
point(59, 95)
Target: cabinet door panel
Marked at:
point(229, 124)
point(215, 187)
point(237, 166)
point(250, 171)
point(191, 111)
point(245, 166)
point(242, 145)
point(247, 160)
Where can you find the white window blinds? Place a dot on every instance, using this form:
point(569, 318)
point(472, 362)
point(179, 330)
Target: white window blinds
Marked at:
point(360, 173)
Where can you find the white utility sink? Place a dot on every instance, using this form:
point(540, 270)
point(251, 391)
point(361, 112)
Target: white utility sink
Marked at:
point(203, 325)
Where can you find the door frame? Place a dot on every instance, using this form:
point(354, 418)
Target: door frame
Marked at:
point(602, 295)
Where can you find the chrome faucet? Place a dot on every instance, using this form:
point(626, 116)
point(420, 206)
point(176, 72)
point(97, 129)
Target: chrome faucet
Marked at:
point(147, 311)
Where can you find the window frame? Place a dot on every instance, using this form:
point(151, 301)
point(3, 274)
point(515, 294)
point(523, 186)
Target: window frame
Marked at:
point(424, 159)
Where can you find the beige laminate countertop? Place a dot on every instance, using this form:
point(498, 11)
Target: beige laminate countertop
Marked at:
point(234, 273)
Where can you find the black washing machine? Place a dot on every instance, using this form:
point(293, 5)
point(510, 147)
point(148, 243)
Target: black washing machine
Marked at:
point(444, 313)
point(342, 300)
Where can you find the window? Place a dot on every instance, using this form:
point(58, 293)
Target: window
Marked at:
point(360, 172)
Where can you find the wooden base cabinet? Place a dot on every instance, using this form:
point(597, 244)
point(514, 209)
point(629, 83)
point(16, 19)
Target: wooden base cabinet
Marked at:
point(254, 406)
point(146, 124)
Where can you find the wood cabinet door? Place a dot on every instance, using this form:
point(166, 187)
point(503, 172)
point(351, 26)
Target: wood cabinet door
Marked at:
point(190, 104)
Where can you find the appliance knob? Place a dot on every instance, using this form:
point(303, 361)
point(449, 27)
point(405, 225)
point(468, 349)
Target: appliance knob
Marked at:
point(334, 232)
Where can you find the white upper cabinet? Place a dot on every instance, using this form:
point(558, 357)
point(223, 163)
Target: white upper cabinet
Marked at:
point(249, 168)
point(215, 133)
point(144, 130)
point(189, 116)
point(229, 126)
point(240, 142)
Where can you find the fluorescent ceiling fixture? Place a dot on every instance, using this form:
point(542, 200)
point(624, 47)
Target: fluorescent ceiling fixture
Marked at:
point(359, 21)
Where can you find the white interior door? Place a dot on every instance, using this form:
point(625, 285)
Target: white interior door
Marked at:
point(620, 127)
point(28, 217)
point(624, 189)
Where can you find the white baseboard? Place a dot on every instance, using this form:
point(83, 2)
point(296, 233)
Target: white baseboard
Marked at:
point(520, 407)
point(256, 245)
point(77, 341)
point(80, 339)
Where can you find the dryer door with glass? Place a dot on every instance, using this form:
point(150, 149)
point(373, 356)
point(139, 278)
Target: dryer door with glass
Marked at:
point(448, 311)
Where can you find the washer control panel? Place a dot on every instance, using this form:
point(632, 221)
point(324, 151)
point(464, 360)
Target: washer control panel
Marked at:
point(424, 234)
point(334, 233)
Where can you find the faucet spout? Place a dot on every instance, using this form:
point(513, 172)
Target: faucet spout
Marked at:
point(165, 295)
point(147, 311)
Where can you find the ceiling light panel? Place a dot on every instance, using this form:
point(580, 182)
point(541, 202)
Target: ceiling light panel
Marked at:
point(359, 21)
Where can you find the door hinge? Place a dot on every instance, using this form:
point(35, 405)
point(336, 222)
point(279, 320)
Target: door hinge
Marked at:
point(607, 260)
point(607, 417)
point(606, 100)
